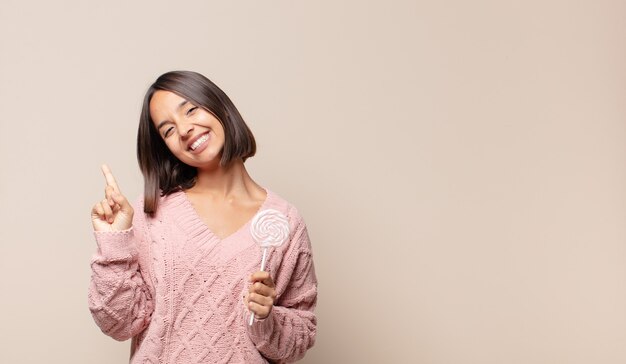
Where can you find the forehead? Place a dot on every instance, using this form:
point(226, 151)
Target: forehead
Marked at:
point(164, 103)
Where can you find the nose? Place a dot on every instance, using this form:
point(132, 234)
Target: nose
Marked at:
point(186, 131)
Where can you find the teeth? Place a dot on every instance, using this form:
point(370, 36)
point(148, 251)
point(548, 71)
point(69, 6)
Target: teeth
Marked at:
point(197, 143)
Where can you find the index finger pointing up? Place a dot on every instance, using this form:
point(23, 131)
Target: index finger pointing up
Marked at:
point(109, 178)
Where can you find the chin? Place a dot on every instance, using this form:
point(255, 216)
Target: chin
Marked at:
point(205, 162)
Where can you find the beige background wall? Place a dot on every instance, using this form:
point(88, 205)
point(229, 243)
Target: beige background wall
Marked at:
point(461, 165)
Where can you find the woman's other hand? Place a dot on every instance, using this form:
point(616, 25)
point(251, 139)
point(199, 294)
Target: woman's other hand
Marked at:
point(114, 212)
point(261, 295)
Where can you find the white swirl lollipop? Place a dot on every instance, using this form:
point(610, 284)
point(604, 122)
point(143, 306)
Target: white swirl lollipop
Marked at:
point(269, 228)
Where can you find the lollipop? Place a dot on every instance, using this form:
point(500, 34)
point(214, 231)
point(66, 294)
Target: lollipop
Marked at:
point(269, 228)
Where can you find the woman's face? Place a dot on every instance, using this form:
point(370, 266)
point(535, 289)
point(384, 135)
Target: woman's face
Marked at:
point(192, 134)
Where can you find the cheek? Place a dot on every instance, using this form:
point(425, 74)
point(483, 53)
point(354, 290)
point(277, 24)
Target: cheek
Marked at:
point(173, 146)
point(219, 132)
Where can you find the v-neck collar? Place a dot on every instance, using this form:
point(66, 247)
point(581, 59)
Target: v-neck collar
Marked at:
point(196, 220)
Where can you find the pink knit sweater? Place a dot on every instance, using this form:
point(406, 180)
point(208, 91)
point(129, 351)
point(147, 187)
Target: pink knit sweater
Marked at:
point(177, 289)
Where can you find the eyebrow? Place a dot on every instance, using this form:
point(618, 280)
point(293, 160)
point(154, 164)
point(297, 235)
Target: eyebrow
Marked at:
point(177, 109)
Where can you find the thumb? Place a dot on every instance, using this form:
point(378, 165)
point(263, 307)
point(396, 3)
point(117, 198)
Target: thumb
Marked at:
point(119, 199)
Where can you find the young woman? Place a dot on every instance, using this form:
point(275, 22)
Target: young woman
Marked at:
point(178, 270)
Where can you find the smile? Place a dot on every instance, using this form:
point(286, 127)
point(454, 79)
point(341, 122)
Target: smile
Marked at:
point(199, 142)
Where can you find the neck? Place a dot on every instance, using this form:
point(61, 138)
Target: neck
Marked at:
point(225, 181)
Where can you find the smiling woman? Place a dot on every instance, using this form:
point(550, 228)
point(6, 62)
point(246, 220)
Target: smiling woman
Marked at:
point(185, 99)
point(178, 270)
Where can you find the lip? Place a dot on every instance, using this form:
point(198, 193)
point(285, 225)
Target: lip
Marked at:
point(193, 140)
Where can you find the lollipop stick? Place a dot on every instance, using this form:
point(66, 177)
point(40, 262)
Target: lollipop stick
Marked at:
point(262, 269)
point(263, 259)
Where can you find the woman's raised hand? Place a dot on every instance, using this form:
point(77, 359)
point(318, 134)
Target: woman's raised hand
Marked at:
point(114, 212)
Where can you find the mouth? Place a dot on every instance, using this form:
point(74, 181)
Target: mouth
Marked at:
point(199, 141)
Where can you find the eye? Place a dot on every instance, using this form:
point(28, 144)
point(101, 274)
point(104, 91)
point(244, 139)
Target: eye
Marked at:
point(166, 132)
point(191, 110)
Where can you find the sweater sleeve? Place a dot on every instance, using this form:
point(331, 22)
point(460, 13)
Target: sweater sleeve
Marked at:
point(119, 297)
point(289, 330)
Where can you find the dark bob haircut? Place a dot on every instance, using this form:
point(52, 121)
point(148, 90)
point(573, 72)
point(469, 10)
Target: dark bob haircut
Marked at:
point(163, 173)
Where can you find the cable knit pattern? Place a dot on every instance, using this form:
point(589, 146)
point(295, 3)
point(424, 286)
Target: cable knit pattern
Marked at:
point(176, 289)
